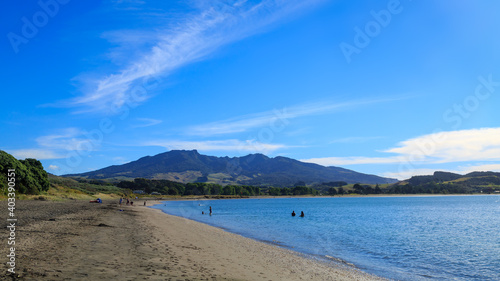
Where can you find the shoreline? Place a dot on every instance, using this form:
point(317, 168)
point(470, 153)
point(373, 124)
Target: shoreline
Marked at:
point(274, 243)
point(323, 266)
point(325, 260)
point(316, 258)
point(203, 198)
point(84, 241)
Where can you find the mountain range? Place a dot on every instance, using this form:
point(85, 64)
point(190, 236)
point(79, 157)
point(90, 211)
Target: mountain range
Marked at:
point(446, 182)
point(254, 169)
point(475, 179)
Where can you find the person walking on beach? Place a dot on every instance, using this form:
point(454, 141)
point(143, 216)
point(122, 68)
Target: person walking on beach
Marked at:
point(121, 199)
point(293, 213)
point(144, 203)
point(210, 210)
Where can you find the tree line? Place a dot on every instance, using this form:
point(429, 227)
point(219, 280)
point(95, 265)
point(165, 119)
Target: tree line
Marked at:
point(168, 187)
point(433, 188)
point(203, 188)
point(31, 178)
point(184, 189)
point(297, 190)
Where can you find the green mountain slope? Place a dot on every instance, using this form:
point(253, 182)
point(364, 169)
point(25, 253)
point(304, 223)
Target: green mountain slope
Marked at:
point(254, 169)
point(444, 182)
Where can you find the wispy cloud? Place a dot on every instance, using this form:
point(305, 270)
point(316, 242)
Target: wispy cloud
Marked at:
point(437, 148)
point(462, 170)
point(454, 146)
point(355, 139)
point(354, 160)
point(67, 139)
point(193, 38)
point(219, 145)
point(57, 146)
point(53, 168)
point(120, 160)
point(406, 174)
point(482, 167)
point(276, 118)
point(146, 122)
point(40, 154)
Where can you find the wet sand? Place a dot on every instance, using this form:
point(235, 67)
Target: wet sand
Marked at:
point(77, 240)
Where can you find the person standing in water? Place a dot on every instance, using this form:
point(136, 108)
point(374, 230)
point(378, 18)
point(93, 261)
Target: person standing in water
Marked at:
point(302, 213)
point(210, 210)
point(293, 213)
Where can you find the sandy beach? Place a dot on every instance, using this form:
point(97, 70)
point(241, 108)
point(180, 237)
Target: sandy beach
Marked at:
point(76, 240)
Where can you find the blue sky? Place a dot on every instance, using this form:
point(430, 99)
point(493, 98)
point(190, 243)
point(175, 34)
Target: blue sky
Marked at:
point(393, 88)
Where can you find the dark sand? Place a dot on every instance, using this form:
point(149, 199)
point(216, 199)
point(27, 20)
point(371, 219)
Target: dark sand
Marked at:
point(77, 240)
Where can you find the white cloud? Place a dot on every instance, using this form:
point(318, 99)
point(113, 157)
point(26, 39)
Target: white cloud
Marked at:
point(437, 148)
point(355, 139)
point(340, 161)
point(462, 170)
point(406, 174)
point(57, 146)
point(454, 146)
point(120, 160)
point(39, 154)
point(190, 40)
point(479, 168)
point(276, 119)
point(68, 139)
point(147, 122)
point(53, 168)
point(220, 145)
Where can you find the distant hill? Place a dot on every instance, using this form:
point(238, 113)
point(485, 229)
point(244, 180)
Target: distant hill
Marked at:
point(445, 182)
point(254, 169)
point(474, 178)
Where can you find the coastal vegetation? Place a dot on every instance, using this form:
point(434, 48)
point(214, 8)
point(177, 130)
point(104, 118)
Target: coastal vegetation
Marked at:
point(439, 183)
point(89, 187)
point(32, 179)
point(449, 183)
point(198, 188)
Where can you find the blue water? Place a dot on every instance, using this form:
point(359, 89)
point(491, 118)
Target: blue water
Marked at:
point(404, 238)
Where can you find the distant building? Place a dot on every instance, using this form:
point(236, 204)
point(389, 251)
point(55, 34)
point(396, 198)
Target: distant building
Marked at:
point(139, 191)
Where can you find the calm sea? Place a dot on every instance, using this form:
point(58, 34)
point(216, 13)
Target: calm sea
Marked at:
point(404, 238)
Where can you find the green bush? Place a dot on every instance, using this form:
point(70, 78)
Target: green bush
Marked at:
point(31, 178)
